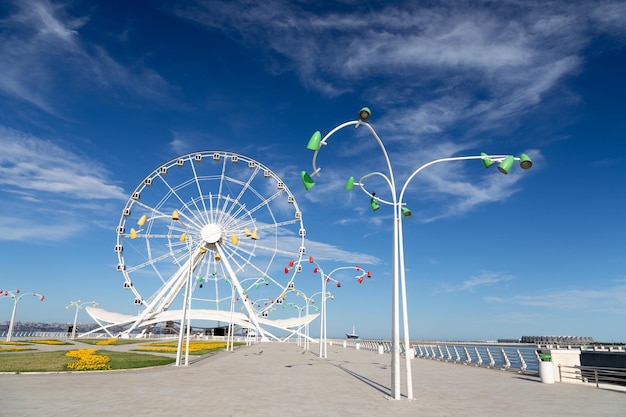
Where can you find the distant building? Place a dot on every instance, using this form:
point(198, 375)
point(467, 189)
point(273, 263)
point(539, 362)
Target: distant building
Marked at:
point(508, 341)
point(557, 340)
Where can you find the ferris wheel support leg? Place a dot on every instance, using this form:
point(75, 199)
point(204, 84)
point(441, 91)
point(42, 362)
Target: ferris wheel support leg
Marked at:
point(235, 281)
point(168, 292)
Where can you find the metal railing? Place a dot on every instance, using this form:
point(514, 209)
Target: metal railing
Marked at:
point(593, 375)
point(505, 357)
point(497, 356)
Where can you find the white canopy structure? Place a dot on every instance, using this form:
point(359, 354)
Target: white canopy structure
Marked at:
point(108, 319)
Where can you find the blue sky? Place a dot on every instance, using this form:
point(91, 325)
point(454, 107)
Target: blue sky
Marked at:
point(96, 95)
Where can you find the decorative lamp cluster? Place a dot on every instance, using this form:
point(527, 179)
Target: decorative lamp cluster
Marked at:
point(15, 294)
point(505, 163)
point(399, 294)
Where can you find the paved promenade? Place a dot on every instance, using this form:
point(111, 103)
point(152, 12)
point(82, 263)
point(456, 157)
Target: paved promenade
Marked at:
point(280, 379)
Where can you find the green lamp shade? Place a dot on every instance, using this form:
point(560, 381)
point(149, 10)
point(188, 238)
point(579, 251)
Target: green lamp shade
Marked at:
point(506, 164)
point(315, 141)
point(487, 162)
point(525, 162)
point(374, 204)
point(406, 212)
point(365, 114)
point(307, 181)
point(350, 184)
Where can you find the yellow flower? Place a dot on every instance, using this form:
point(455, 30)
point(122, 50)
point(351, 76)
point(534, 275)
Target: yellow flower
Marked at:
point(172, 347)
point(46, 342)
point(12, 349)
point(108, 341)
point(87, 360)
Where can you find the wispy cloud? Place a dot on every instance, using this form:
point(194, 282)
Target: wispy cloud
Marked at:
point(609, 300)
point(41, 180)
point(327, 252)
point(33, 165)
point(474, 47)
point(448, 78)
point(486, 278)
point(41, 47)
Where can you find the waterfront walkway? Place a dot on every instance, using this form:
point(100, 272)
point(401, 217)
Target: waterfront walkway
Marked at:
point(280, 379)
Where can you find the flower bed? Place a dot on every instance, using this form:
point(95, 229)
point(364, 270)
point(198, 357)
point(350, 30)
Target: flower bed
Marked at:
point(87, 360)
point(46, 342)
point(109, 341)
point(172, 347)
point(12, 349)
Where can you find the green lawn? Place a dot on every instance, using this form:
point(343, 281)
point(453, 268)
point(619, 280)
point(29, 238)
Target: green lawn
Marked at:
point(57, 361)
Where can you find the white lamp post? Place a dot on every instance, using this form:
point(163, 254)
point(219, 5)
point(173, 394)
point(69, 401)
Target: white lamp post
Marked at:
point(78, 305)
point(16, 299)
point(326, 278)
point(399, 211)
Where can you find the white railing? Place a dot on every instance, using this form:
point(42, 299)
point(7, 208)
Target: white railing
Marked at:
point(521, 358)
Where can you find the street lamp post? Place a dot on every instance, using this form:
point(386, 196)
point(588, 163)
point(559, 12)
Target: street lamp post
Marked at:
point(78, 305)
point(16, 299)
point(400, 211)
point(308, 301)
point(327, 278)
point(300, 342)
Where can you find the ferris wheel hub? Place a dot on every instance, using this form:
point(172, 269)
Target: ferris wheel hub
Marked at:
point(211, 233)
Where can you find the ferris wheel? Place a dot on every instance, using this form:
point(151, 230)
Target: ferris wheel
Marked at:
point(215, 225)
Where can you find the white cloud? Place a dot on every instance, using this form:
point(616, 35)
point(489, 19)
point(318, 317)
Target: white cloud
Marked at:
point(449, 78)
point(608, 300)
point(31, 230)
point(486, 278)
point(610, 17)
point(327, 252)
point(31, 165)
point(50, 191)
point(41, 47)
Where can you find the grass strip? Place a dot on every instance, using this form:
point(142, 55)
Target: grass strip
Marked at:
point(57, 361)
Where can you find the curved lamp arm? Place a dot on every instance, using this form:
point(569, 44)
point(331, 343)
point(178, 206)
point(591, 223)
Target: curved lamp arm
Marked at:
point(371, 194)
point(316, 142)
point(488, 160)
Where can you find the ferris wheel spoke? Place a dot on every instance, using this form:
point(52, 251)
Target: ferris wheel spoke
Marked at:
point(220, 188)
point(155, 212)
point(245, 186)
point(173, 191)
point(233, 255)
point(228, 214)
point(277, 225)
point(195, 176)
point(246, 261)
point(266, 201)
point(150, 262)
